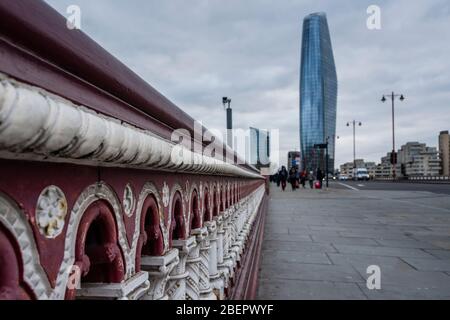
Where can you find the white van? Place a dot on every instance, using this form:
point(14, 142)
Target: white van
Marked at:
point(361, 174)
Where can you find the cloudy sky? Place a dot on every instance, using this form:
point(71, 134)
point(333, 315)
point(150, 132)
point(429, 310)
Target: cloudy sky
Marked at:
point(196, 51)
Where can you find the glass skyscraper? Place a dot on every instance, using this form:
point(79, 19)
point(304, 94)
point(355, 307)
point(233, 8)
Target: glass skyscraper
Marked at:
point(318, 93)
point(259, 147)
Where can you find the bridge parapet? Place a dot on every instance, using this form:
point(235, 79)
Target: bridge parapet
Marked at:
point(96, 201)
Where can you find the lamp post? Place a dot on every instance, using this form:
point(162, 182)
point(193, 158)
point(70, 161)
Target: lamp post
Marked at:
point(354, 122)
point(324, 146)
point(225, 101)
point(393, 154)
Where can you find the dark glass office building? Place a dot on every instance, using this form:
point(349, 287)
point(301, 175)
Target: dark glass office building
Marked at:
point(318, 93)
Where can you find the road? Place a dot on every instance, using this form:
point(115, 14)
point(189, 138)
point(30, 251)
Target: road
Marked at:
point(318, 244)
point(394, 186)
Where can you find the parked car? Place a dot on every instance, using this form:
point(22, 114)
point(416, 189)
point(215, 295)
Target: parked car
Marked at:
point(343, 177)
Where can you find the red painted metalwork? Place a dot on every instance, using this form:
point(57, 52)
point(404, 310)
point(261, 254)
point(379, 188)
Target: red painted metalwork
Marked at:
point(37, 48)
point(196, 220)
point(151, 239)
point(207, 215)
point(97, 252)
point(178, 221)
point(216, 199)
point(12, 286)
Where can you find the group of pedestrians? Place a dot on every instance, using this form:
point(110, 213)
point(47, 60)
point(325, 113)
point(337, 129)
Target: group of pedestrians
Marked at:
point(297, 178)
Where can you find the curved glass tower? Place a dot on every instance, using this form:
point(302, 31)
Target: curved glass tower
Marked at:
point(318, 93)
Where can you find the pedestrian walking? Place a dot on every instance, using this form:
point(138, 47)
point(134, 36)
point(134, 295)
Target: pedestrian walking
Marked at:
point(303, 175)
point(311, 179)
point(293, 178)
point(277, 178)
point(283, 177)
point(320, 177)
point(297, 178)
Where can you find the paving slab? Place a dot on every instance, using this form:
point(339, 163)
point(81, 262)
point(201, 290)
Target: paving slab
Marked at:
point(297, 246)
point(307, 271)
point(429, 264)
point(271, 256)
point(309, 290)
point(382, 251)
point(318, 244)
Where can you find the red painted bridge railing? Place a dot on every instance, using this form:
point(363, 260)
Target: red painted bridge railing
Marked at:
point(96, 201)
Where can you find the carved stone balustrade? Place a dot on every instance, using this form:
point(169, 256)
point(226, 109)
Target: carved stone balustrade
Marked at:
point(132, 289)
point(177, 281)
point(216, 281)
point(222, 270)
point(159, 269)
point(193, 266)
point(204, 284)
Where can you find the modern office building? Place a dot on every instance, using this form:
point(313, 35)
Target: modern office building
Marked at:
point(444, 152)
point(259, 148)
point(318, 93)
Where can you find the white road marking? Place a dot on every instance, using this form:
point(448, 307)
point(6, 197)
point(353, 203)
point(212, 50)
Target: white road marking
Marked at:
point(346, 185)
point(360, 185)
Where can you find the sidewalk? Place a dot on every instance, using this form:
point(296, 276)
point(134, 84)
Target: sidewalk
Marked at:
point(319, 243)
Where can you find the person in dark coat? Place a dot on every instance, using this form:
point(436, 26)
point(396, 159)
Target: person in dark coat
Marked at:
point(293, 178)
point(320, 177)
point(283, 177)
point(311, 179)
point(303, 175)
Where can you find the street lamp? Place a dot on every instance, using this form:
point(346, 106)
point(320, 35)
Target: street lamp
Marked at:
point(324, 146)
point(354, 123)
point(225, 101)
point(393, 154)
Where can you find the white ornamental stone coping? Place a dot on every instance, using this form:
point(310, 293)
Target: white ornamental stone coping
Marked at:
point(132, 289)
point(38, 125)
point(159, 264)
point(211, 226)
point(159, 268)
point(200, 233)
point(184, 245)
point(219, 221)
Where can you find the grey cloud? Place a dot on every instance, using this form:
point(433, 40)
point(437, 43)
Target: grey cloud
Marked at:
point(194, 52)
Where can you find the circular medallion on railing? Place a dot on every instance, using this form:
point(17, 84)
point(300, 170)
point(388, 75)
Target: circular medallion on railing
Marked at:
point(129, 201)
point(51, 210)
point(165, 194)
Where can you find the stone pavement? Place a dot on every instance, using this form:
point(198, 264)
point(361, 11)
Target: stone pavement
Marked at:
point(319, 243)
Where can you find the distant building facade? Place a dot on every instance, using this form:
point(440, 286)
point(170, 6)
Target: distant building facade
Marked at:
point(318, 93)
point(384, 168)
point(259, 148)
point(444, 152)
point(293, 159)
point(346, 169)
point(414, 159)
